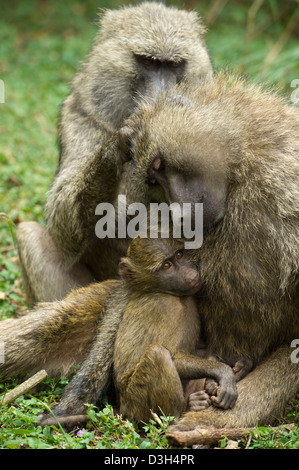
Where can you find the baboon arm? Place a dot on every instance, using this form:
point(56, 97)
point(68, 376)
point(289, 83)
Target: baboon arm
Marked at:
point(75, 193)
point(193, 367)
point(262, 395)
point(93, 378)
point(54, 336)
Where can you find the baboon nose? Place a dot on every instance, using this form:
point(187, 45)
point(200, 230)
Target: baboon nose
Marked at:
point(194, 280)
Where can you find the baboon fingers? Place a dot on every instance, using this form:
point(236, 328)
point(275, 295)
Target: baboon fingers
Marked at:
point(199, 401)
point(225, 399)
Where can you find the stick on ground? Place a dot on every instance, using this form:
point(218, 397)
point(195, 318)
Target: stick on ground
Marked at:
point(24, 387)
point(211, 436)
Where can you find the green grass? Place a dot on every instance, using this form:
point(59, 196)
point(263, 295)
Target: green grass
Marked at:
point(106, 430)
point(41, 44)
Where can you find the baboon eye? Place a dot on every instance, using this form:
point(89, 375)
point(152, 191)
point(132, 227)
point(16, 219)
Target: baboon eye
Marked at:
point(166, 265)
point(179, 254)
point(173, 64)
point(148, 60)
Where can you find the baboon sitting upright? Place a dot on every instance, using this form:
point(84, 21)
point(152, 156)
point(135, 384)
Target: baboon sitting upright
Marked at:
point(159, 334)
point(241, 144)
point(235, 148)
point(139, 51)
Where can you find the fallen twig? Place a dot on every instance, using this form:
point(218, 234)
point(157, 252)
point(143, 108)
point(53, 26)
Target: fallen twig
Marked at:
point(211, 436)
point(24, 387)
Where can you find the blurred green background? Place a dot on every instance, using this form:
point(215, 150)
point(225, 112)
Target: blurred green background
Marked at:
point(41, 44)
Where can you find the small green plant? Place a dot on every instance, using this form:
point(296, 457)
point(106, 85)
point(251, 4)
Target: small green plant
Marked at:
point(265, 438)
point(155, 431)
point(10, 223)
point(114, 432)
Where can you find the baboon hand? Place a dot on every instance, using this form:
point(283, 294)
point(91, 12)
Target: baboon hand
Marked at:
point(242, 367)
point(226, 394)
point(211, 386)
point(124, 140)
point(199, 401)
point(125, 135)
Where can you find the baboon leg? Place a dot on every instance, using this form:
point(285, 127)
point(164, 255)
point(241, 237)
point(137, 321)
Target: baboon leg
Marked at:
point(45, 275)
point(154, 385)
point(262, 396)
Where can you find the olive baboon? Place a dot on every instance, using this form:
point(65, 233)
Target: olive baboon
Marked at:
point(159, 334)
point(235, 147)
point(138, 52)
point(244, 141)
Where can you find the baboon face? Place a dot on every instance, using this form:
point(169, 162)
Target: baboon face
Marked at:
point(155, 76)
point(177, 276)
point(142, 51)
point(179, 164)
point(193, 184)
point(159, 265)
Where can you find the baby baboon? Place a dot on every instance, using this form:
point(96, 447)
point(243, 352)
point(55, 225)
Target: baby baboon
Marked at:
point(139, 51)
point(156, 344)
point(159, 334)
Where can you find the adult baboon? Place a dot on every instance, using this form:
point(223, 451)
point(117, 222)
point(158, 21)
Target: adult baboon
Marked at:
point(139, 51)
point(234, 147)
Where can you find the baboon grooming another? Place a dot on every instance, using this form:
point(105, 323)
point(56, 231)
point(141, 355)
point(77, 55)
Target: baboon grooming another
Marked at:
point(139, 51)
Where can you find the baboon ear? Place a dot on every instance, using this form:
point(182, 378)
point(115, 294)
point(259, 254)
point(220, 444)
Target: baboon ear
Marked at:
point(125, 271)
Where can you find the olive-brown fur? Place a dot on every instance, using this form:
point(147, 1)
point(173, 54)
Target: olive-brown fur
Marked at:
point(91, 170)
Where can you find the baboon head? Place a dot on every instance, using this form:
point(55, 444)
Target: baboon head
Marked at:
point(159, 265)
point(177, 157)
point(141, 51)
